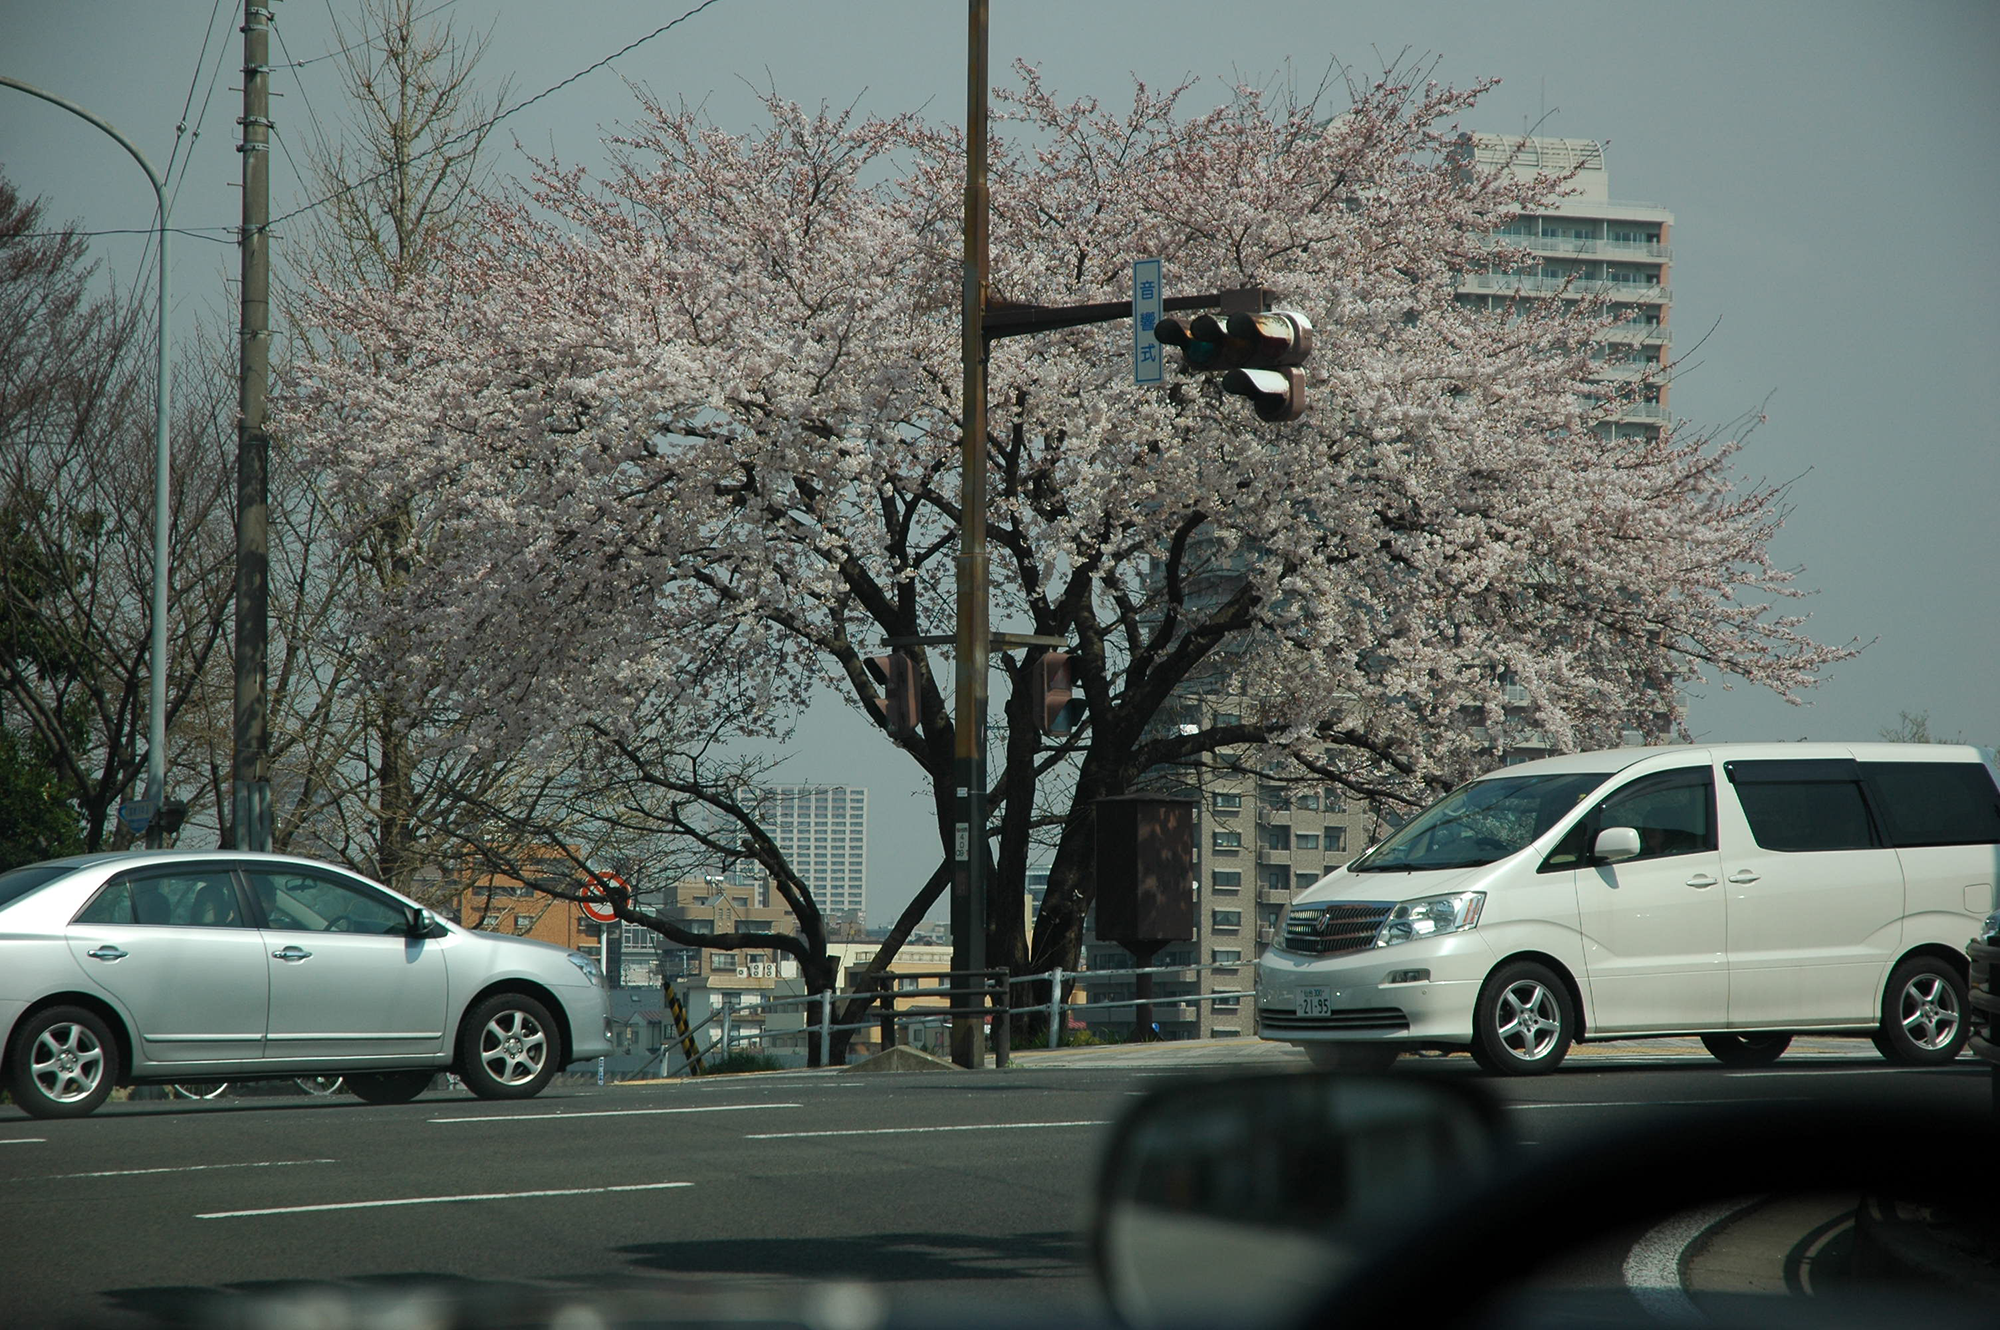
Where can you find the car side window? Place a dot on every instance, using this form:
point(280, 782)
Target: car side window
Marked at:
point(1673, 812)
point(204, 898)
point(299, 901)
point(1805, 805)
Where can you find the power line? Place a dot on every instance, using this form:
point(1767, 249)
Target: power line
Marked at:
point(487, 124)
point(353, 46)
point(197, 233)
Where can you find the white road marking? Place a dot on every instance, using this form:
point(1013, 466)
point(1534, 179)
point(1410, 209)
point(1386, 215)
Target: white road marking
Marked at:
point(26, 1140)
point(911, 1131)
point(1653, 1266)
point(612, 1113)
point(438, 1200)
point(1854, 1071)
point(193, 1168)
point(1655, 1103)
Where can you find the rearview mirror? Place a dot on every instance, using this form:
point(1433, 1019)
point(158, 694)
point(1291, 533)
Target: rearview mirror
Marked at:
point(1276, 1180)
point(421, 922)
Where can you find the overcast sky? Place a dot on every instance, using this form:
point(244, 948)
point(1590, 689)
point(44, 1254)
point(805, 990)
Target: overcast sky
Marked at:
point(1831, 167)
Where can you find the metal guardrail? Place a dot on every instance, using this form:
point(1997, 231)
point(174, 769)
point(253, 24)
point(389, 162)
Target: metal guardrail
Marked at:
point(990, 994)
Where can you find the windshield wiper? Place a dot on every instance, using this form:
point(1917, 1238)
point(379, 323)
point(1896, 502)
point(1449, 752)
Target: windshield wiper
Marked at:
point(1403, 867)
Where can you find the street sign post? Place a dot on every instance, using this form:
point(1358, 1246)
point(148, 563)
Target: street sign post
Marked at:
point(1148, 362)
point(599, 911)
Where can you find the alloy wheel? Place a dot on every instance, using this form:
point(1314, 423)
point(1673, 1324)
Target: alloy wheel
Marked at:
point(1929, 1011)
point(67, 1062)
point(513, 1047)
point(1530, 1019)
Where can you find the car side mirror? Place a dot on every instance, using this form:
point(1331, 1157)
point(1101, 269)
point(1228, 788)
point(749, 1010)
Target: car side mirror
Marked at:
point(1281, 1180)
point(1616, 843)
point(422, 923)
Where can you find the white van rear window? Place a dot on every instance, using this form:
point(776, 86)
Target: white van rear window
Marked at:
point(1936, 803)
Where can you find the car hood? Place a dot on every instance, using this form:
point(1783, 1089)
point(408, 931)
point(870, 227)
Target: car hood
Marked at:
point(1341, 885)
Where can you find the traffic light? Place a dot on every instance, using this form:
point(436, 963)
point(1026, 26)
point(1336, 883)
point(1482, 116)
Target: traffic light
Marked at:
point(1052, 680)
point(173, 812)
point(1257, 354)
point(901, 707)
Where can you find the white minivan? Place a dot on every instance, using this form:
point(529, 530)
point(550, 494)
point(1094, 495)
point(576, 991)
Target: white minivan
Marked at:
point(1740, 892)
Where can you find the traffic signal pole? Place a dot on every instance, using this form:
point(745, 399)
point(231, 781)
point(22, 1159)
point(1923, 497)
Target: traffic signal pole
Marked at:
point(968, 891)
point(984, 322)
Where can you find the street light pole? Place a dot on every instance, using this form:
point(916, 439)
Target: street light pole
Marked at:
point(968, 894)
point(156, 701)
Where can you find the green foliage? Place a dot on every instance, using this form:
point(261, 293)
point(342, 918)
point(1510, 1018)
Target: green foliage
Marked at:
point(36, 820)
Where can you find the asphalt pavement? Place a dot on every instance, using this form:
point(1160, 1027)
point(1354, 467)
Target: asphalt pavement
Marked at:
point(949, 1196)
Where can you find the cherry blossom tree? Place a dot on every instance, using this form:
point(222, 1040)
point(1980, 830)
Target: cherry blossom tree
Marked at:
point(687, 434)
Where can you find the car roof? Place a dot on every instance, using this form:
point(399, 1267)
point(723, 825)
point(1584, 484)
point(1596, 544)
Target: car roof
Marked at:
point(1612, 760)
point(136, 858)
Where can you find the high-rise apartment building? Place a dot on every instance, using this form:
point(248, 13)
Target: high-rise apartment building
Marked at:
point(822, 830)
point(1586, 244)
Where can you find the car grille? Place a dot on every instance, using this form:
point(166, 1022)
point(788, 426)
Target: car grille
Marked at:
point(1357, 1018)
point(1332, 929)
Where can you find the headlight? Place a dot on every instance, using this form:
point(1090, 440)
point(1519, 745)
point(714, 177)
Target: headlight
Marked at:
point(1430, 917)
point(588, 964)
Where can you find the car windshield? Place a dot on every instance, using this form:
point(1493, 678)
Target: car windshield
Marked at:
point(1481, 822)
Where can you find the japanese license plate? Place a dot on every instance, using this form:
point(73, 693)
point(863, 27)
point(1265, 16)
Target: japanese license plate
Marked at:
point(1315, 1002)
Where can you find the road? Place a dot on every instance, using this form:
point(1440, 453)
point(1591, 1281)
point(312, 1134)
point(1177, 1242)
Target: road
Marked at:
point(955, 1195)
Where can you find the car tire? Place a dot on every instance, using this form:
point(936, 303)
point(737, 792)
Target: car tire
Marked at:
point(1523, 1022)
point(1746, 1050)
point(1923, 1013)
point(508, 1047)
point(390, 1087)
point(62, 1064)
point(1351, 1057)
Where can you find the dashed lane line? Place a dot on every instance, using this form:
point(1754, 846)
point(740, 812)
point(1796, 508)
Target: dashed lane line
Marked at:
point(913, 1131)
point(438, 1200)
point(613, 1113)
point(25, 1140)
point(1654, 1103)
point(193, 1168)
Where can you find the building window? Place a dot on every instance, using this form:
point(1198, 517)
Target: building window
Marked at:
point(1222, 1033)
point(1278, 879)
point(1227, 1004)
point(1228, 956)
point(1307, 840)
point(1227, 718)
point(1305, 880)
point(1229, 918)
point(1277, 838)
point(1308, 801)
point(1226, 840)
point(1336, 838)
point(1274, 797)
point(1228, 803)
point(721, 961)
point(1228, 879)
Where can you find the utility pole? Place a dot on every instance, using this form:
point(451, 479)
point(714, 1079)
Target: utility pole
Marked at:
point(250, 786)
point(968, 889)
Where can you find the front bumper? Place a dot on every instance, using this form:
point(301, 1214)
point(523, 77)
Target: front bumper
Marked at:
point(590, 1024)
point(1363, 1005)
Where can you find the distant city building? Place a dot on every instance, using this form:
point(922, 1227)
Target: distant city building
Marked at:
point(1586, 244)
point(822, 830)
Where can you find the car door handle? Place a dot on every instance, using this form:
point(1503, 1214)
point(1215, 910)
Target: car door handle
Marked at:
point(1701, 880)
point(107, 952)
point(1742, 875)
point(290, 953)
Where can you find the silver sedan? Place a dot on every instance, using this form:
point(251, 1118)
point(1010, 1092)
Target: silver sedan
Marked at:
point(173, 966)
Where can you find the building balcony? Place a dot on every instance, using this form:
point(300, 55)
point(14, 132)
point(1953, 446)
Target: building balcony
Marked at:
point(1508, 284)
point(1275, 858)
point(1645, 334)
point(1610, 249)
